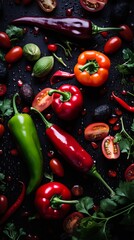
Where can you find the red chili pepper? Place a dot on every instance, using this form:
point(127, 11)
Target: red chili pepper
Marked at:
point(123, 103)
point(15, 205)
point(71, 150)
point(52, 200)
point(67, 101)
point(60, 75)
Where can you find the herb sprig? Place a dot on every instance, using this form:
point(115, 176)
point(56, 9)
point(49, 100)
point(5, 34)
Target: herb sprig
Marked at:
point(117, 210)
point(126, 142)
point(5, 108)
point(12, 232)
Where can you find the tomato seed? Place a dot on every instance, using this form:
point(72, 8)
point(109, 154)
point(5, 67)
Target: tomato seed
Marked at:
point(112, 173)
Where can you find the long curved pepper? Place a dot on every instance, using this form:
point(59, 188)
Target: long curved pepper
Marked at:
point(123, 103)
point(25, 135)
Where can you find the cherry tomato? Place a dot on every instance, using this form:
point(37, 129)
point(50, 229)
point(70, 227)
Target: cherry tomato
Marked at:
point(127, 33)
point(42, 100)
point(3, 89)
point(72, 221)
point(52, 47)
point(4, 40)
point(3, 204)
point(47, 5)
point(129, 172)
point(93, 5)
point(112, 45)
point(14, 54)
point(110, 149)
point(56, 167)
point(96, 131)
point(2, 130)
point(77, 190)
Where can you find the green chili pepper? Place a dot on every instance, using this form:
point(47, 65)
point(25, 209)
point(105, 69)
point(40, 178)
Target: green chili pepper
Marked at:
point(25, 134)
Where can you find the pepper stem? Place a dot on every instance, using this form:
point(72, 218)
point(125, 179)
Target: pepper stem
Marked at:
point(94, 172)
point(56, 201)
point(59, 59)
point(65, 96)
point(96, 29)
point(47, 124)
point(91, 66)
point(14, 103)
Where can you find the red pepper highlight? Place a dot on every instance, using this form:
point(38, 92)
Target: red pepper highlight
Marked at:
point(67, 101)
point(60, 75)
point(123, 103)
point(71, 150)
point(15, 206)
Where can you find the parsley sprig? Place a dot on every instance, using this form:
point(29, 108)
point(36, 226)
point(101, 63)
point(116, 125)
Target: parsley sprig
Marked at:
point(5, 108)
point(117, 210)
point(127, 67)
point(12, 232)
point(126, 142)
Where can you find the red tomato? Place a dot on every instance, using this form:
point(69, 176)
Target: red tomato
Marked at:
point(96, 131)
point(110, 149)
point(129, 172)
point(127, 33)
point(14, 54)
point(4, 40)
point(3, 204)
point(72, 221)
point(52, 47)
point(112, 45)
point(47, 5)
point(42, 100)
point(2, 130)
point(3, 89)
point(56, 167)
point(92, 5)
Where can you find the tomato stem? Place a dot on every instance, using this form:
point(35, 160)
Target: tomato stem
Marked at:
point(96, 174)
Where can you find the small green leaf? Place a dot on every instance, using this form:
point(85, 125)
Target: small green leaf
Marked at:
point(84, 205)
point(14, 32)
point(107, 205)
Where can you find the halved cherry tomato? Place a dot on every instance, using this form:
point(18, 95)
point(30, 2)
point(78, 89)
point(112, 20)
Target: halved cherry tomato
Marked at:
point(126, 33)
point(14, 54)
point(112, 45)
point(96, 131)
point(3, 89)
point(2, 130)
point(47, 5)
point(93, 5)
point(4, 40)
point(42, 100)
point(3, 204)
point(56, 167)
point(110, 149)
point(72, 221)
point(129, 172)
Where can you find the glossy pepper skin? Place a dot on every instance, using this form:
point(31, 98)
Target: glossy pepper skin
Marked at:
point(92, 68)
point(67, 101)
point(25, 135)
point(51, 200)
point(71, 150)
point(72, 27)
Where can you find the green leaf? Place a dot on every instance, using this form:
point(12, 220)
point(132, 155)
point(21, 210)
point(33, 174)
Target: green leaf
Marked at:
point(14, 32)
point(128, 66)
point(5, 108)
point(126, 189)
point(84, 205)
point(107, 205)
point(2, 176)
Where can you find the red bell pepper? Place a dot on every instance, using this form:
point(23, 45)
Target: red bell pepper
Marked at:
point(52, 200)
point(71, 150)
point(67, 101)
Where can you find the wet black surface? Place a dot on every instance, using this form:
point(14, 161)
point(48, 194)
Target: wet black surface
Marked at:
point(13, 165)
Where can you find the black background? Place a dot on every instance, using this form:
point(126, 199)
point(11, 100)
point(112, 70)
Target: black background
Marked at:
point(14, 166)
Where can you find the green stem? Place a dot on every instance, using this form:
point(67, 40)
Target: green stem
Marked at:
point(123, 131)
point(59, 59)
point(95, 173)
point(56, 200)
point(90, 66)
point(130, 93)
point(96, 29)
point(47, 124)
point(14, 103)
point(65, 96)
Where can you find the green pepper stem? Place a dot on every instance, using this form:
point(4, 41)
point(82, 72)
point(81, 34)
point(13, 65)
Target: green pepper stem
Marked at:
point(91, 66)
point(59, 60)
point(96, 29)
point(47, 124)
point(14, 103)
point(56, 200)
point(95, 173)
point(65, 96)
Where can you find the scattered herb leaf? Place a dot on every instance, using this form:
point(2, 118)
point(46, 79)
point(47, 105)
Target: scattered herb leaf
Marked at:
point(14, 33)
point(84, 205)
point(12, 232)
point(5, 108)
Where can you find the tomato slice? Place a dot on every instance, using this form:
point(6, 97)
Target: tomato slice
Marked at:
point(93, 5)
point(129, 173)
point(42, 100)
point(96, 131)
point(110, 149)
point(47, 5)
